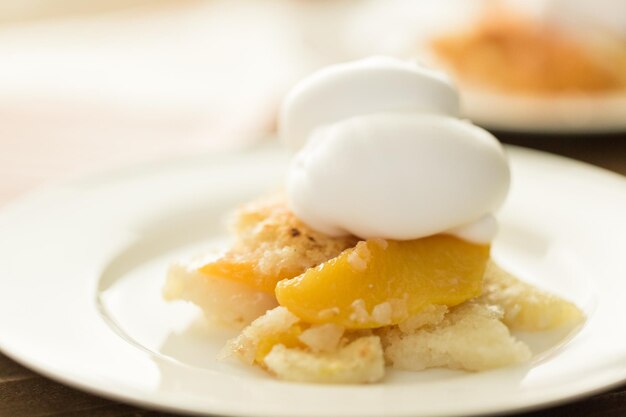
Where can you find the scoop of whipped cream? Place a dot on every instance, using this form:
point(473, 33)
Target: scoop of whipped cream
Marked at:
point(383, 154)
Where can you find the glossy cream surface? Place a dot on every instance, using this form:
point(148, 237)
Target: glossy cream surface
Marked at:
point(381, 153)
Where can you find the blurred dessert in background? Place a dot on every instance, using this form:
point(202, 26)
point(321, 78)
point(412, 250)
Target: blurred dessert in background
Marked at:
point(511, 51)
point(541, 66)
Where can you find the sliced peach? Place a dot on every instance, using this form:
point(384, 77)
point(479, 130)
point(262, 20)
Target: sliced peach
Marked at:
point(245, 272)
point(381, 283)
point(288, 338)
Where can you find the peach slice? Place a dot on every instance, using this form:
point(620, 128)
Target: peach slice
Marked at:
point(289, 338)
point(380, 283)
point(245, 272)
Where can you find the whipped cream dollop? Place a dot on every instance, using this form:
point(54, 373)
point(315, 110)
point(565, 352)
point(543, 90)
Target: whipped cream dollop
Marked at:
point(382, 153)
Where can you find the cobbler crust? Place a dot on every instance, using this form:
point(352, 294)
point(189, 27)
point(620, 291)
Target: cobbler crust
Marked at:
point(271, 237)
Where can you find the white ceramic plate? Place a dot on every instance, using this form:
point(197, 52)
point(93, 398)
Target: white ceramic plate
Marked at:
point(82, 263)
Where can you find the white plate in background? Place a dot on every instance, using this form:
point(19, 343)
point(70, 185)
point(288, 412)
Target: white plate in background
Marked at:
point(403, 28)
point(82, 264)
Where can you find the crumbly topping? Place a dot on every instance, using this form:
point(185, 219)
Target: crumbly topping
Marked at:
point(359, 312)
point(382, 313)
point(322, 337)
point(270, 236)
point(360, 361)
point(244, 346)
point(429, 316)
point(471, 337)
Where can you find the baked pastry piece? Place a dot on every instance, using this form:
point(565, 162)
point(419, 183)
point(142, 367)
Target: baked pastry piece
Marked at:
point(463, 323)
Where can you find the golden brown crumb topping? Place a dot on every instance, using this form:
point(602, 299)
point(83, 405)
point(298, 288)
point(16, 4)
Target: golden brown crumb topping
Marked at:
point(270, 236)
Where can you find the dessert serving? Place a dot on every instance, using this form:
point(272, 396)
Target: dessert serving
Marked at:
point(509, 51)
point(377, 254)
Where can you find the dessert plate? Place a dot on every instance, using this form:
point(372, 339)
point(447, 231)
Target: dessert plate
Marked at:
point(82, 263)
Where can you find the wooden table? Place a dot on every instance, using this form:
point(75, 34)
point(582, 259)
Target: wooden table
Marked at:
point(25, 393)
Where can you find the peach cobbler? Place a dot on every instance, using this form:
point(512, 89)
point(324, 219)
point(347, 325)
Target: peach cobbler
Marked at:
point(342, 309)
point(378, 253)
